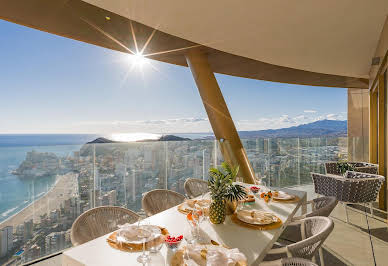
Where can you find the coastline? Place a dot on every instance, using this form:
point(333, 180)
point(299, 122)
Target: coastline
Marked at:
point(64, 187)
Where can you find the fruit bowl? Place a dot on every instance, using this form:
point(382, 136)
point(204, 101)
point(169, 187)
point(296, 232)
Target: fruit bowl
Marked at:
point(255, 189)
point(173, 242)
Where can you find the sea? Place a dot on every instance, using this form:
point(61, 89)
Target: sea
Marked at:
point(16, 193)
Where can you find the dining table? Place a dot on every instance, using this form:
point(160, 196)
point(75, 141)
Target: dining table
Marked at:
point(254, 244)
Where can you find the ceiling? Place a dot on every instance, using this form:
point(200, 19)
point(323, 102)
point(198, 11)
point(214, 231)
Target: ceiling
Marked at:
point(336, 37)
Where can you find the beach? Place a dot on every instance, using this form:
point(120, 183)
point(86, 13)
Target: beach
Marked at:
point(64, 188)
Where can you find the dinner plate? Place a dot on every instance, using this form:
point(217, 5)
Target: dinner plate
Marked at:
point(283, 196)
point(129, 234)
point(257, 217)
point(189, 205)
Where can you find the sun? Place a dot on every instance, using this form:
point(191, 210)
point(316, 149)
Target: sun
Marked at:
point(137, 60)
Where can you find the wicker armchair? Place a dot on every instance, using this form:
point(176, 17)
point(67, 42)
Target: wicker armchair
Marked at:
point(355, 187)
point(332, 168)
point(289, 262)
point(99, 221)
point(158, 200)
point(195, 187)
point(314, 231)
point(322, 206)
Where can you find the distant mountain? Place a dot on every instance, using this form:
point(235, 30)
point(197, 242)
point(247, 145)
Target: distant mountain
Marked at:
point(172, 138)
point(332, 128)
point(162, 138)
point(101, 140)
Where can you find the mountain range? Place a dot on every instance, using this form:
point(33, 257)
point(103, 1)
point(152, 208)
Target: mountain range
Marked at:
point(328, 128)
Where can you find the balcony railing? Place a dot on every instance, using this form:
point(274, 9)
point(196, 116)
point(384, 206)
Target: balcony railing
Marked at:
point(44, 189)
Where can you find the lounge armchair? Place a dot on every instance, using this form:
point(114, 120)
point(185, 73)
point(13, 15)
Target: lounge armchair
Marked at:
point(332, 168)
point(354, 187)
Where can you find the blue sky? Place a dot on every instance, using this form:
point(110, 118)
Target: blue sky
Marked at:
point(51, 84)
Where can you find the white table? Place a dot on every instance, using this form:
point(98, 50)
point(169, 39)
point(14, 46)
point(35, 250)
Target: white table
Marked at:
point(253, 243)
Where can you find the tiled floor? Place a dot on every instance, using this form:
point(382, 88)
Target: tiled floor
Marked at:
point(349, 243)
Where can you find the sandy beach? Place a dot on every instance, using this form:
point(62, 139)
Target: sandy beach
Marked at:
point(65, 187)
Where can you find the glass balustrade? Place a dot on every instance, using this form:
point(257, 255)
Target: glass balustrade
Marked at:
point(45, 188)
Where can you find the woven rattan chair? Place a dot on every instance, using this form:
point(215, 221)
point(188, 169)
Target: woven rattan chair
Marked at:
point(289, 262)
point(322, 206)
point(319, 207)
point(98, 222)
point(195, 187)
point(314, 231)
point(354, 187)
point(369, 168)
point(158, 200)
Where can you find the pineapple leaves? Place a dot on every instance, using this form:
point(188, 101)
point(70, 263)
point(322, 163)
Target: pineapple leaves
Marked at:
point(221, 186)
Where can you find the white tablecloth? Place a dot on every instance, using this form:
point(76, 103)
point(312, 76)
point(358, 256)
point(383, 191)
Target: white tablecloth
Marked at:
point(253, 243)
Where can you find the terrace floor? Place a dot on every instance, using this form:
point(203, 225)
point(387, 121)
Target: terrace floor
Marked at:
point(349, 243)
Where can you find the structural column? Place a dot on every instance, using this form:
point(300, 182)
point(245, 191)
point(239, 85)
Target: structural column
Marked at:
point(381, 141)
point(218, 113)
point(373, 126)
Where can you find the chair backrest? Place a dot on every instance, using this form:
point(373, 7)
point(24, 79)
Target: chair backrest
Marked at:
point(296, 262)
point(158, 200)
point(99, 221)
point(333, 169)
point(355, 187)
point(323, 206)
point(195, 187)
point(316, 230)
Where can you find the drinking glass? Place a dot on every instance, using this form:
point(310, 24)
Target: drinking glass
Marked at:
point(193, 223)
point(199, 217)
point(144, 234)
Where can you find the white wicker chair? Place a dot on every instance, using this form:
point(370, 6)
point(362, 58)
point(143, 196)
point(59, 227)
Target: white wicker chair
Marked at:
point(289, 262)
point(355, 187)
point(99, 221)
point(158, 200)
point(314, 231)
point(319, 207)
point(195, 187)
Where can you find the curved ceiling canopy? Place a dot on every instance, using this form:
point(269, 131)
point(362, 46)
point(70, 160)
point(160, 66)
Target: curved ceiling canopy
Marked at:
point(323, 43)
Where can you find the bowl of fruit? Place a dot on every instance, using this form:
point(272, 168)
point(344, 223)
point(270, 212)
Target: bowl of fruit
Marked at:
point(266, 196)
point(255, 189)
point(173, 242)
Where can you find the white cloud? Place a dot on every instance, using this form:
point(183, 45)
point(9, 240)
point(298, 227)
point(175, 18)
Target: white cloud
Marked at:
point(310, 111)
point(201, 124)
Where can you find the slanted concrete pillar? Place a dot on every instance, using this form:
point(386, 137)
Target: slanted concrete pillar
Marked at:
point(218, 113)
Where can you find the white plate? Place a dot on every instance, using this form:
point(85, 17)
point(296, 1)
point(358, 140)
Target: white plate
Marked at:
point(129, 233)
point(260, 217)
point(283, 196)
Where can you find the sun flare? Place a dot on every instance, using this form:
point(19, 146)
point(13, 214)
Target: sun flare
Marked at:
point(137, 60)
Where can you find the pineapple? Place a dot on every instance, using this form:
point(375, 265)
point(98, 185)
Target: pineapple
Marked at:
point(222, 189)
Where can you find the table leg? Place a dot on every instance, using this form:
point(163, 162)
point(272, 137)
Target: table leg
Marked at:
point(304, 205)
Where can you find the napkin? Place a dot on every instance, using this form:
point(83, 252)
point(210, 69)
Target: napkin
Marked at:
point(256, 217)
point(215, 256)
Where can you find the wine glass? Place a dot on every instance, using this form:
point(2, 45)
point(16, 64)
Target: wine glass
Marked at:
point(193, 223)
point(199, 217)
point(144, 233)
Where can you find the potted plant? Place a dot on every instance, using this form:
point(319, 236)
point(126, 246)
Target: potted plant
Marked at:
point(344, 166)
point(222, 189)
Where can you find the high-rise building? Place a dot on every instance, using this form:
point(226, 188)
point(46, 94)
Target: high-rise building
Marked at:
point(28, 227)
point(6, 240)
point(55, 241)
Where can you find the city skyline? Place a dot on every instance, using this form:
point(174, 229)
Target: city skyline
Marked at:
point(52, 84)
